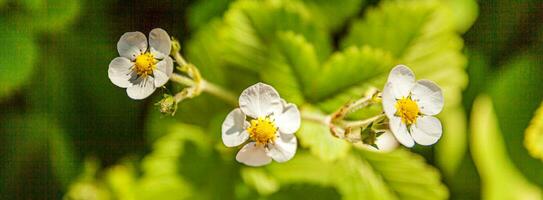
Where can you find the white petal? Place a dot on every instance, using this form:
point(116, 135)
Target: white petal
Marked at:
point(402, 80)
point(119, 72)
point(389, 100)
point(252, 155)
point(132, 44)
point(163, 72)
point(160, 78)
point(428, 96)
point(288, 121)
point(386, 142)
point(159, 40)
point(260, 100)
point(233, 128)
point(142, 88)
point(283, 149)
point(399, 130)
point(427, 130)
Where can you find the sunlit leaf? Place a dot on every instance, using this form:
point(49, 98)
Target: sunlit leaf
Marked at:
point(250, 27)
point(464, 13)
point(351, 67)
point(452, 147)
point(366, 175)
point(533, 136)
point(515, 84)
point(325, 12)
point(292, 67)
point(321, 143)
point(261, 181)
point(500, 178)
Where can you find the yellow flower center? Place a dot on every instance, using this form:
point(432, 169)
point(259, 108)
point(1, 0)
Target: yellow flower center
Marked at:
point(262, 130)
point(145, 64)
point(408, 110)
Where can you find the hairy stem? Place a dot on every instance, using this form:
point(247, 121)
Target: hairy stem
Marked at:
point(363, 123)
point(205, 86)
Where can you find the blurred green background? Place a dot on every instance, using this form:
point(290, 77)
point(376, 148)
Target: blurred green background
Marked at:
point(67, 132)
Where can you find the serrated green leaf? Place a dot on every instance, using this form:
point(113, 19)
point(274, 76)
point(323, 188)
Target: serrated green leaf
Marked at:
point(351, 67)
point(464, 13)
point(325, 12)
point(500, 178)
point(533, 136)
point(292, 67)
point(321, 143)
point(419, 34)
point(406, 174)
point(250, 27)
point(366, 175)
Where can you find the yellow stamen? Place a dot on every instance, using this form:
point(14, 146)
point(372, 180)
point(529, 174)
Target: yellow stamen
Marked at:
point(145, 64)
point(262, 130)
point(408, 110)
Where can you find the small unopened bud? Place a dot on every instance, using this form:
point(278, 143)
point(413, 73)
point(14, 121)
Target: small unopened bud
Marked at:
point(176, 46)
point(167, 105)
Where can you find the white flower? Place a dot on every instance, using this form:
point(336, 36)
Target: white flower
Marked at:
point(410, 106)
point(141, 69)
point(267, 121)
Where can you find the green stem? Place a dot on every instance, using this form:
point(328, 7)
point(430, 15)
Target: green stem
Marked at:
point(205, 86)
point(179, 59)
point(362, 123)
point(315, 117)
point(183, 80)
point(219, 92)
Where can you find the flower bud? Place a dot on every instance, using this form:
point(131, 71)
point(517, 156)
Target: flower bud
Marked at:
point(167, 105)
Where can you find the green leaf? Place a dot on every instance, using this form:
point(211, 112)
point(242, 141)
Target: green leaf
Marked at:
point(514, 84)
point(18, 56)
point(203, 50)
point(500, 178)
point(419, 34)
point(366, 175)
point(321, 143)
point(351, 67)
point(407, 174)
point(292, 67)
point(64, 161)
point(51, 15)
point(250, 27)
point(464, 13)
point(258, 179)
point(451, 148)
point(533, 136)
point(201, 12)
point(325, 12)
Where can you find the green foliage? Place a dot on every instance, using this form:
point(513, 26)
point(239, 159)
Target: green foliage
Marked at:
point(515, 84)
point(17, 57)
point(326, 12)
point(318, 139)
point(50, 15)
point(533, 136)
point(500, 178)
point(318, 54)
point(366, 175)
